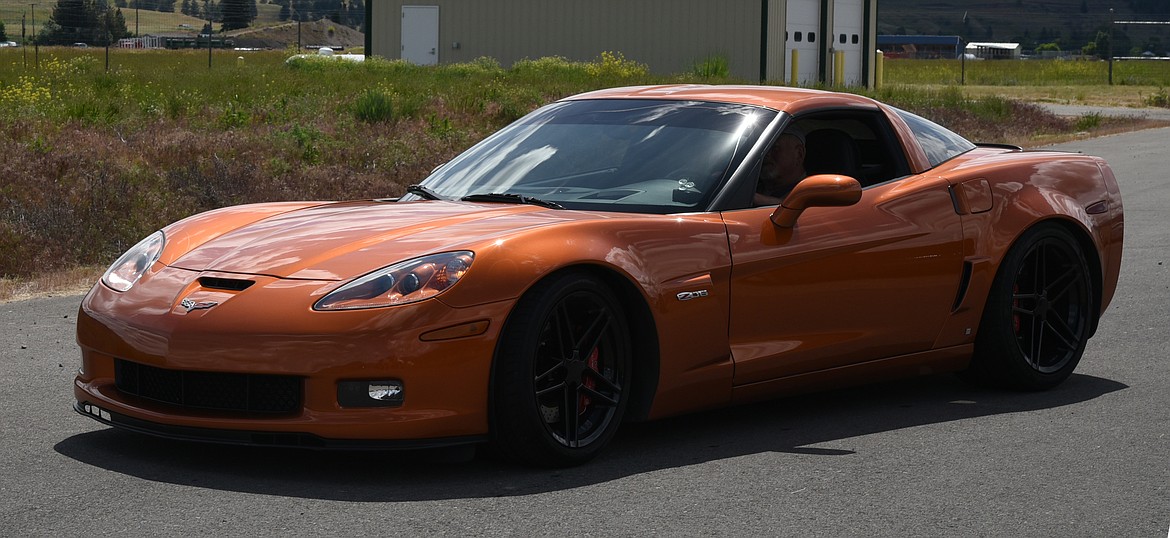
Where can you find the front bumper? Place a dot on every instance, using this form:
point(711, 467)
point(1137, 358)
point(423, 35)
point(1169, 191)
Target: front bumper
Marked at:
point(270, 330)
point(262, 438)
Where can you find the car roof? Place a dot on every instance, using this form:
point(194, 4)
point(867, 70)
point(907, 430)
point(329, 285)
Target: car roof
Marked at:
point(791, 100)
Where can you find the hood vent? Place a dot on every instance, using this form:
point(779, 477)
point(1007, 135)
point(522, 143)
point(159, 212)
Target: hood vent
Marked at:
point(229, 284)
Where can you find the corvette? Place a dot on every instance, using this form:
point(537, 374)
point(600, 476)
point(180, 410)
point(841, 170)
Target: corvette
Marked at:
point(602, 261)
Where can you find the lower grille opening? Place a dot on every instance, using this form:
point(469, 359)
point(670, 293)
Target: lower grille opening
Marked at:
point(247, 393)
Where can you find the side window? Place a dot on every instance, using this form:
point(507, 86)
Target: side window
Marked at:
point(862, 145)
point(939, 144)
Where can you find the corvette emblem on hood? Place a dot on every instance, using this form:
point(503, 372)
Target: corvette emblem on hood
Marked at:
point(190, 305)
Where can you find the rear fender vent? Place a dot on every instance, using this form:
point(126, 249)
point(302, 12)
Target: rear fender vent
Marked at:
point(229, 284)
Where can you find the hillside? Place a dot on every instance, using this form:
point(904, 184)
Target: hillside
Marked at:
point(1070, 23)
point(312, 34)
point(144, 21)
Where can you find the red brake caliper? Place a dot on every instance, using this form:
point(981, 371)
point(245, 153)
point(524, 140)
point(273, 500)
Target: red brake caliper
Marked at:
point(589, 382)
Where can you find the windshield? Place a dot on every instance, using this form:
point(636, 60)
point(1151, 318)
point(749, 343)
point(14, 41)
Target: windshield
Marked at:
point(615, 155)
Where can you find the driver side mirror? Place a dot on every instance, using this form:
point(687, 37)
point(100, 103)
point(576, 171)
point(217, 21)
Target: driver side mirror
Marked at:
point(826, 190)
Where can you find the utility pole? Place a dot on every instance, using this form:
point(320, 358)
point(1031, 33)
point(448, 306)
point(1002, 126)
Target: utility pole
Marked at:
point(962, 63)
point(207, 8)
point(1111, 24)
point(963, 55)
point(36, 45)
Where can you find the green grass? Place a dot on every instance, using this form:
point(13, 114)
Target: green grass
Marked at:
point(95, 159)
point(1027, 72)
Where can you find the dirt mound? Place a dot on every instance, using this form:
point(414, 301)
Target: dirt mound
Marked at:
point(314, 34)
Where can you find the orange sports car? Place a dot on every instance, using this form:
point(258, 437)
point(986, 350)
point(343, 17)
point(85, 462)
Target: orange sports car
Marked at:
point(620, 255)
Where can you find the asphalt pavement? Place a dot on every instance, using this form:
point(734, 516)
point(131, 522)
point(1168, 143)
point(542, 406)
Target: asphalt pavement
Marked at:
point(923, 457)
point(1144, 113)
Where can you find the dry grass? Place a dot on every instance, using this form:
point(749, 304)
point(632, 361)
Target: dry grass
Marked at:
point(1109, 126)
point(1103, 95)
point(67, 282)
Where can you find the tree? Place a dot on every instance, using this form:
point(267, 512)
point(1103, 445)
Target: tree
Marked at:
point(302, 10)
point(236, 14)
point(211, 11)
point(1150, 6)
point(114, 25)
point(326, 9)
point(357, 14)
point(3, 34)
point(81, 21)
point(285, 12)
point(1100, 45)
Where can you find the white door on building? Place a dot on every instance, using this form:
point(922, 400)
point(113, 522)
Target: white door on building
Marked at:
point(420, 34)
point(847, 37)
point(803, 19)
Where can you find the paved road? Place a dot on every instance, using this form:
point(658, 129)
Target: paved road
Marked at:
point(1148, 113)
point(927, 457)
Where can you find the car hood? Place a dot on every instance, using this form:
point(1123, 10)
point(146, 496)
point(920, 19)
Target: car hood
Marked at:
point(344, 240)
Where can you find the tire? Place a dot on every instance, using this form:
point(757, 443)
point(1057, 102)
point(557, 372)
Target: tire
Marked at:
point(561, 375)
point(1039, 314)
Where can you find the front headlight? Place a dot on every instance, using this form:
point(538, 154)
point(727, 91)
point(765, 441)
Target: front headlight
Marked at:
point(405, 282)
point(129, 268)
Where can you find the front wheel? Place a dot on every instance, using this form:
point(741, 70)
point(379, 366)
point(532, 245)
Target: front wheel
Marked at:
point(1039, 314)
point(561, 376)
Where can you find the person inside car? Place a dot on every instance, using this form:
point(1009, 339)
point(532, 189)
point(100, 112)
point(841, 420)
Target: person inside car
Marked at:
point(782, 169)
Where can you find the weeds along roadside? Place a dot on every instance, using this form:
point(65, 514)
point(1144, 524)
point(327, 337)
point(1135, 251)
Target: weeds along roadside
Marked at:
point(96, 160)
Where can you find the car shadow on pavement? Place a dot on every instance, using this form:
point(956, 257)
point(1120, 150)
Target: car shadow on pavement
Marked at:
point(794, 425)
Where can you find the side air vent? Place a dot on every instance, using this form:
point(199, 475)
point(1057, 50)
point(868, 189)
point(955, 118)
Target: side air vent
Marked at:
point(229, 284)
point(964, 284)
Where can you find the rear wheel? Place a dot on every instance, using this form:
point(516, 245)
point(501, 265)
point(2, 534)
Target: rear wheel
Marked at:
point(1039, 314)
point(561, 374)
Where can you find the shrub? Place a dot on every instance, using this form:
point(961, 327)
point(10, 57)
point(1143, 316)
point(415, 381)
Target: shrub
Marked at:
point(373, 106)
point(614, 64)
point(1088, 122)
point(712, 67)
point(1159, 98)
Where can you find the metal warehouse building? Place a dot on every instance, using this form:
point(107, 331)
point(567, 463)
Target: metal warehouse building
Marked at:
point(794, 41)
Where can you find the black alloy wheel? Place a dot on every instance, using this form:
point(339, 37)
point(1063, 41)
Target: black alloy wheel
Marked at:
point(561, 373)
point(1039, 315)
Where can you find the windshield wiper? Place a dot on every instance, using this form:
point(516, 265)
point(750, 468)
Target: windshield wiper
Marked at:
point(424, 192)
point(510, 199)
